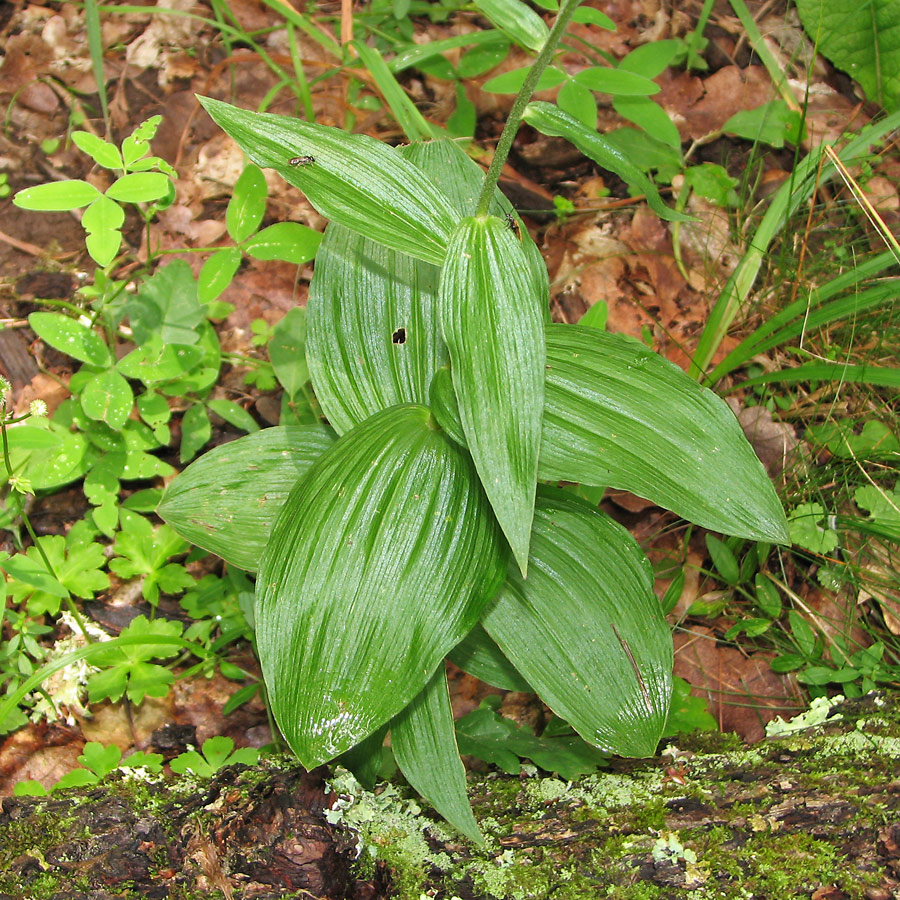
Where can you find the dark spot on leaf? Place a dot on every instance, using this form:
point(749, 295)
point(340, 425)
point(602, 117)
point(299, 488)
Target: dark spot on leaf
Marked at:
point(399, 336)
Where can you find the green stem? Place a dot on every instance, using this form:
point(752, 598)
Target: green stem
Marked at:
point(504, 145)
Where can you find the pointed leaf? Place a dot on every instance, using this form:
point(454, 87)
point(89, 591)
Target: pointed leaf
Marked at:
point(493, 326)
point(618, 414)
point(374, 339)
point(140, 187)
point(353, 179)
point(380, 562)
point(424, 743)
point(227, 500)
point(586, 630)
point(551, 120)
point(217, 273)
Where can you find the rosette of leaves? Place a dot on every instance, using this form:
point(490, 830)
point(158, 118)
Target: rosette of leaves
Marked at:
point(426, 524)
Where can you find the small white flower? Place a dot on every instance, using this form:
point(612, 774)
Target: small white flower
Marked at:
point(38, 408)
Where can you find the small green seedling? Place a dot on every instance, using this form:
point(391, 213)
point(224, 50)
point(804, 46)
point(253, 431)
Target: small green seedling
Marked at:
point(218, 752)
point(142, 180)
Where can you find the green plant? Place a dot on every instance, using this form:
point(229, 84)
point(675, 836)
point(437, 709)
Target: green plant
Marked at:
point(143, 180)
point(430, 353)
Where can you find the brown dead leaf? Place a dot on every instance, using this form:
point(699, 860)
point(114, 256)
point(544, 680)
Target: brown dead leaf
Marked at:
point(38, 751)
point(773, 442)
point(881, 565)
point(742, 691)
point(699, 108)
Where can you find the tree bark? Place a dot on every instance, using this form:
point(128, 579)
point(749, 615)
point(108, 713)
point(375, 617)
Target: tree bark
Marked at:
point(815, 813)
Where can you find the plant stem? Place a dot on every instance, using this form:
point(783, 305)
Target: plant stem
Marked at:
point(504, 145)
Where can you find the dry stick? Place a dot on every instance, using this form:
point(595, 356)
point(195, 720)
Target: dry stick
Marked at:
point(21, 245)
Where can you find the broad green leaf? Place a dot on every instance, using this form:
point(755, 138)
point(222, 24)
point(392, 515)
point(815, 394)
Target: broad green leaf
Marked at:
point(444, 405)
point(32, 572)
point(616, 81)
point(478, 655)
point(618, 414)
point(70, 337)
point(772, 123)
point(140, 187)
point(488, 736)
point(424, 743)
point(723, 559)
point(247, 205)
point(461, 178)
point(352, 179)
point(52, 468)
point(287, 351)
point(226, 501)
point(645, 150)
point(548, 119)
point(217, 273)
point(288, 241)
point(516, 20)
point(102, 220)
point(108, 398)
point(374, 339)
point(103, 246)
point(57, 196)
point(30, 437)
point(379, 563)
point(102, 215)
point(493, 326)
point(166, 305)
point(482, 58)
point(862, 39)
point(586, 630)
point(102, 152)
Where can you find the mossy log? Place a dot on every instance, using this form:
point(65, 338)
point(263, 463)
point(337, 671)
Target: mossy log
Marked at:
point(813, 813)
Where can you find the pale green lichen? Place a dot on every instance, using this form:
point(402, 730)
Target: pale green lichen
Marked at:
point(818, 713)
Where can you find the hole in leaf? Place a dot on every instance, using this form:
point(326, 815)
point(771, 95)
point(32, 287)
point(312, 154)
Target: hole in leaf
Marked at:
point(399, 336)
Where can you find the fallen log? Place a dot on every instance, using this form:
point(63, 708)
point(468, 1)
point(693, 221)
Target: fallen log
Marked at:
point(813, 812)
